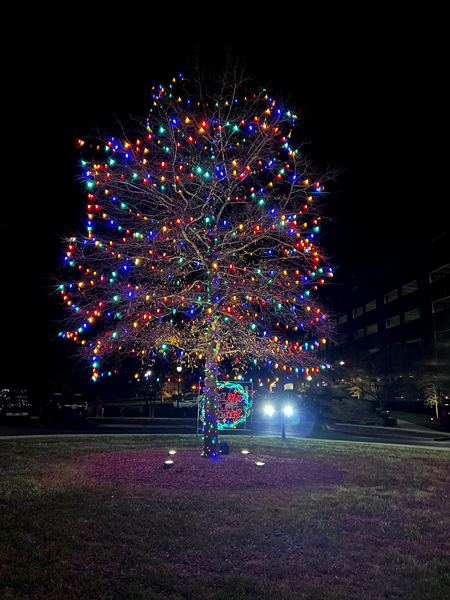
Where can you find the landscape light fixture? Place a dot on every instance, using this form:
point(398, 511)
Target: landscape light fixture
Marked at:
point(172, 452)
point(168, 464)
point(259, 463)
point(244, 451)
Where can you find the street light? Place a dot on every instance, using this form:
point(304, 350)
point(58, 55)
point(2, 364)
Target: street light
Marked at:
point(286, 412)
point(149, 396)
point(179, 369)
point(268, 410)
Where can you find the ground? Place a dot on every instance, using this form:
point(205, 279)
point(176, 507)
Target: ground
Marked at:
point(99, 517)
point(191, 471)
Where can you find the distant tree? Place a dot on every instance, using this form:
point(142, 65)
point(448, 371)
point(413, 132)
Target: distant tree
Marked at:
point(200, 244)
point(369, 379)
point(432, 376)
point(428, 385)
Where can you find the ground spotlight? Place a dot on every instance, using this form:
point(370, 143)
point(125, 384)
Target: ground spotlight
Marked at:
point(172, 452)
point(244, 451)
point(259, 463)
point(168, 464)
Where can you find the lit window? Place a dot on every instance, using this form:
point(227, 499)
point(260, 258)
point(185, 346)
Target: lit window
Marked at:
point(411, 315)
point(442, 305)
point(371, 306)
point(357, 312)
point(441, 274)
point(371, 329)
point(390, 296)
point(409, 288)
point(393, 322)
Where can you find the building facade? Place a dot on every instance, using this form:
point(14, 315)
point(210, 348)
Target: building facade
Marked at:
point(397, 310)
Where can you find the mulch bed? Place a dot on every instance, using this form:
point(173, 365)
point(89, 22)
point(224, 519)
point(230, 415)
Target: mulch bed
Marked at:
point(190, 471)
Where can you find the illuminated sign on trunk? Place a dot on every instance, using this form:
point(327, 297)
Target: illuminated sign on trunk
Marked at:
point(233, 404)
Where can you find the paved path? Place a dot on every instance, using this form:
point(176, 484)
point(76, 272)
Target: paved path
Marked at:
point(403, 428)
point(404, 433)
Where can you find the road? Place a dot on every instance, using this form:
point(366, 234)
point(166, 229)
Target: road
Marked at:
point(188, 426)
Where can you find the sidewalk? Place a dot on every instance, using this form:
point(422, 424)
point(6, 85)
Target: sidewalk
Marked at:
point(404, 428)
point(171, 422)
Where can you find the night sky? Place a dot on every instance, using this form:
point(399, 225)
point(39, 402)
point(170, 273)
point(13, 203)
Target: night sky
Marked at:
point(368, 99)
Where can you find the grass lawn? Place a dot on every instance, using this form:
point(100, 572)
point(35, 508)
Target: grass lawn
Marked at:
point(99, 518)
point(418, 419)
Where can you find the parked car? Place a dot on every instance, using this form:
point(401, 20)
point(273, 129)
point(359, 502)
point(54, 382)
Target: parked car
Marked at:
point(14, 404)
point(69, 409)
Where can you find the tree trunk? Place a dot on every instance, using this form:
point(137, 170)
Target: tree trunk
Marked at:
point(210, 432)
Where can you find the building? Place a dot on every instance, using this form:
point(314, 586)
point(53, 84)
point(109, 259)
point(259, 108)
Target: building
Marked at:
point(397, 310)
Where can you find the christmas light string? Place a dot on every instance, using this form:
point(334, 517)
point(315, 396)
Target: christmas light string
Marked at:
point(204, 220)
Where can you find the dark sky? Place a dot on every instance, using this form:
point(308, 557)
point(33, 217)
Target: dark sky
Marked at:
point(365, 95)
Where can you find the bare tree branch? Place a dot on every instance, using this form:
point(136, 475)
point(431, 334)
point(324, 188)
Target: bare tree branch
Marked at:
point(201, 236)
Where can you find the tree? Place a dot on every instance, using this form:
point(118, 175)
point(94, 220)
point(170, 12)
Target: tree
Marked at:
point(428, 385)
point(433, 374)
point(201, 239)
point(369, 378)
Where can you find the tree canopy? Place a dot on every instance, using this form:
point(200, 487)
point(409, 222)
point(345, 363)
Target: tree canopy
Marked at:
point(200, 244)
